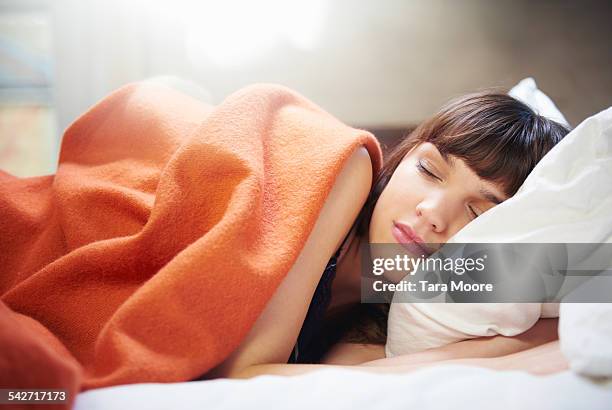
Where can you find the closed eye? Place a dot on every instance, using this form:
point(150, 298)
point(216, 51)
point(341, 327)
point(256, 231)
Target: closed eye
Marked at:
point(474, 214)
point(422, 169)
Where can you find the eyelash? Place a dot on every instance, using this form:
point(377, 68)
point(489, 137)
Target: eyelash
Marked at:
point(427, 172)
point(430, 174)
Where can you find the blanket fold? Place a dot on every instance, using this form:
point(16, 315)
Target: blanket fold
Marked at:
point(166, 229)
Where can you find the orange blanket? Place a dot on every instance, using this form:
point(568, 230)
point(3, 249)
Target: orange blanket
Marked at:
point(166, 229)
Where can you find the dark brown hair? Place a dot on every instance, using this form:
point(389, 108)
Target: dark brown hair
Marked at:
point(500, 138)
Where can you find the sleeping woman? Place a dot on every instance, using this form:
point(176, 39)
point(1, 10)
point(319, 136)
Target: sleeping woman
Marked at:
point(470, 156)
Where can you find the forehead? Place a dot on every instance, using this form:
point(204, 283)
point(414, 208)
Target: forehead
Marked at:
point(456, 169)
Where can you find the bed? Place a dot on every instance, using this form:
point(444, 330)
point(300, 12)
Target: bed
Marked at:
point(585, 332)
point(441, 387)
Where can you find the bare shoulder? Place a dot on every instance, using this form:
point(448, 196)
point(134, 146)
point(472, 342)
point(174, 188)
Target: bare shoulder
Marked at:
point(341, 208)
point(356, 175)
point(347, 197)
point(357, 172)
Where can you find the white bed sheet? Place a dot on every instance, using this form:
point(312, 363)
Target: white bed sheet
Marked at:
point(442, 387)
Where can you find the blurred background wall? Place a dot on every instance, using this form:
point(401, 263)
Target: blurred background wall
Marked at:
point(381, 65)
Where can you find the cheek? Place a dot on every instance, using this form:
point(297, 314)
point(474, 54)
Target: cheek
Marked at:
point(397, 201)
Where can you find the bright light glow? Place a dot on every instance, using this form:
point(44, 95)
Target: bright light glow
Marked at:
point(233, 32)
point(304, 21)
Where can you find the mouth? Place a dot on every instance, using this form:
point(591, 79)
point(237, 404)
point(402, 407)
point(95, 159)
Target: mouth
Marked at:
point(406, 237)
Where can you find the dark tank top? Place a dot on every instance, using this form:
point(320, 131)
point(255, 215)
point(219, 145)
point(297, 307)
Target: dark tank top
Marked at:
point(305, 349)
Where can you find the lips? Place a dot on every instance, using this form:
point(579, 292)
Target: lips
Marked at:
point(409, 239)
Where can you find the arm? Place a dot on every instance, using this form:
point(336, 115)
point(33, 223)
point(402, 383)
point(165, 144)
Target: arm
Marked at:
point(544, 331)
point(544, 359)
point(275, 331)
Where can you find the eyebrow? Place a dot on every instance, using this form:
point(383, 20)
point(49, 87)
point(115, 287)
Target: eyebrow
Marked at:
point(488, 195)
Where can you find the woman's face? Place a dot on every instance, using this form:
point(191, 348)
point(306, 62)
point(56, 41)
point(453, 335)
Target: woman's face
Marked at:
point(432, 197)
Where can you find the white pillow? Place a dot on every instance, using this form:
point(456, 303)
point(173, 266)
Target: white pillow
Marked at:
point(527, 91)
point(585, 335)
point(566, 198)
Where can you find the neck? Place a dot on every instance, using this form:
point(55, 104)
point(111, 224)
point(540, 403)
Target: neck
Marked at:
point(346, 287)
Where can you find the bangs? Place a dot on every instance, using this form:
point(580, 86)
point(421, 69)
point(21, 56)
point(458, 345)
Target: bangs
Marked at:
point(499, 138)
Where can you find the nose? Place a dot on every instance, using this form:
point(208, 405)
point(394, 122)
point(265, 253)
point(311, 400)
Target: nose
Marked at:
point(431, 213)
